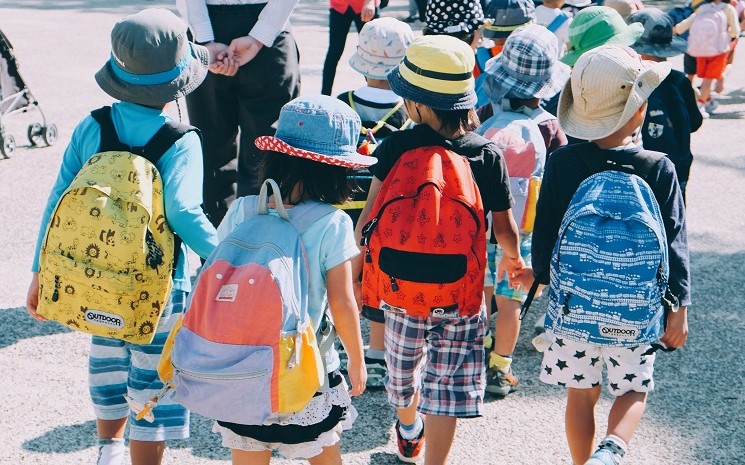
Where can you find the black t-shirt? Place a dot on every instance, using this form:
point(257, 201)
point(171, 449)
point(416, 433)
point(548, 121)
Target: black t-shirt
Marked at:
point(485, 158)
point(565, 170)
point(672, 115)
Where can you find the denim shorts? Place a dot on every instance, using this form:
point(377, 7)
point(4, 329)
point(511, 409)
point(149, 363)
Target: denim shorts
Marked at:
point(494, 254)
point(442, 358)
point(117, 368)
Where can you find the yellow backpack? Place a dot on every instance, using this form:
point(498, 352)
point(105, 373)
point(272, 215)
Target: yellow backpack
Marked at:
point(107, 258)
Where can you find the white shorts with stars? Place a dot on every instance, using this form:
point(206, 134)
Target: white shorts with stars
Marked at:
point(580, 365)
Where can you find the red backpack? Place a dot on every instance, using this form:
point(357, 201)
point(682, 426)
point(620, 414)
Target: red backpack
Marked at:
point(425, 238)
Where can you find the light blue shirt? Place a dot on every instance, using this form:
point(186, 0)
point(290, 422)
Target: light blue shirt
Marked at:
point(181, 168)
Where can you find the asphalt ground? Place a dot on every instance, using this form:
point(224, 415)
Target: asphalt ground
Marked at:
point(695, 416)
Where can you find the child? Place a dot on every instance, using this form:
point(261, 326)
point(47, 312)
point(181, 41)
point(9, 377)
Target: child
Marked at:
point(556, 20)
point(436, 83)
point(527, 70)
point(342, 13)
point(150, 43)
point(383, 43)
point(312, 170)
point(710, 53)
point(672, 114)
point(614, 84)
point(460, 19)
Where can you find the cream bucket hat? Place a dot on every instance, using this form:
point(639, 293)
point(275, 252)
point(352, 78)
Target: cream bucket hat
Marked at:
point(608, 85)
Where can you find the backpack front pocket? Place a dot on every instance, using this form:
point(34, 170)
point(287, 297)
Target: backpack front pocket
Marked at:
point(224, 382)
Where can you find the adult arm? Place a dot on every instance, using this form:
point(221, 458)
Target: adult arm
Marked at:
point(198, 19)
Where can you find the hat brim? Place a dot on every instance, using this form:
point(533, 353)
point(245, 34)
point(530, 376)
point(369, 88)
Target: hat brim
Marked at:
point(373, 67)
point(436, 100)
point(676, 47)
point(592, 127)
point(630, 35)
point(505, 85)
point(346, 160)
point(492, 34)
point(160, 94)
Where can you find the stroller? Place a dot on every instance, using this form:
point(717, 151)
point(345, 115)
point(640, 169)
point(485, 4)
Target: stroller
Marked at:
point(16, 98)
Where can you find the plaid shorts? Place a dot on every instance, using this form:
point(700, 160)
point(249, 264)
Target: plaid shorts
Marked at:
point(117, 368)
point(443, 358)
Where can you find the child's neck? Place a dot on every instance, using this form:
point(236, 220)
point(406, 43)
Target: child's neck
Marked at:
point(378, 84)
point(619, 139)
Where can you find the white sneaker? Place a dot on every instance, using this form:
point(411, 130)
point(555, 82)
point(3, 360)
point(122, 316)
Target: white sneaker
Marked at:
point(702, 109)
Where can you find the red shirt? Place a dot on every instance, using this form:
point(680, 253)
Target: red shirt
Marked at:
point(342, 5)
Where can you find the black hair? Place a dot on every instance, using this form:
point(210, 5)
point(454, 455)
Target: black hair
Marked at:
point(455, 120)
point(318, 181)
point(464, 36)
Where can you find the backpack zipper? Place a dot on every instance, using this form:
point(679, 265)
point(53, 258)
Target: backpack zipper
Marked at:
point(55, 294)
point(234, 376)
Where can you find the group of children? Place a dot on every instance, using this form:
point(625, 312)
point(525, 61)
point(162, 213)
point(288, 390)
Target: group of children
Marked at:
point(615, 98)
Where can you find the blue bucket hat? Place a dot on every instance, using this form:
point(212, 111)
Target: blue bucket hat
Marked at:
point(528, 66)
point(319, 128)
point(504, 16)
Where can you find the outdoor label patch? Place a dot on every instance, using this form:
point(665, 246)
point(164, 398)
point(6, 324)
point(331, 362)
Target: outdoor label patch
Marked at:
point(390, 308)
point(227, 293)
point(619, 332)
point(109, 320)
point(450, 311)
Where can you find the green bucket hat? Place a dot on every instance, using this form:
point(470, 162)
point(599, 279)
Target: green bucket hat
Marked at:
point(599, 25)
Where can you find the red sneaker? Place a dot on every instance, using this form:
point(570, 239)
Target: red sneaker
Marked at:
point(409, 450)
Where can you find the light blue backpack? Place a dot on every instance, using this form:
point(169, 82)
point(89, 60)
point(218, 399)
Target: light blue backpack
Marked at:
point(609, 266)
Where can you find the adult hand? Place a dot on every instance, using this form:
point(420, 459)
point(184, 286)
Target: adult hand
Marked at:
point(32, 298)
point(368, 11)
point(218, 51)
point(244, 49)
point(676, 330)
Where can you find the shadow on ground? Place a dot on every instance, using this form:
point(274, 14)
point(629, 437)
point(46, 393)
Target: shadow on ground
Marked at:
point(18, 325)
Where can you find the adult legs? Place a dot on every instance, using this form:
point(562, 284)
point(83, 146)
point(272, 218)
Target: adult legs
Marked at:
point(339, 24)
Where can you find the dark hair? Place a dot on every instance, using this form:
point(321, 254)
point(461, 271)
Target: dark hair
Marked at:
point(464, 36)
point(318, 181)
point(454, 120)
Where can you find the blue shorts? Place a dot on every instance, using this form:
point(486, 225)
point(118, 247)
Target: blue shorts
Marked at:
point(117, 368)
point(503, 288)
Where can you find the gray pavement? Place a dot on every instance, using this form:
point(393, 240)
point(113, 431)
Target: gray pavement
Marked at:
point(694, 417)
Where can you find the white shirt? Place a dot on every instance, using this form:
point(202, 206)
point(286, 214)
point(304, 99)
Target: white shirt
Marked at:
point(273, 19)
point(544, 16)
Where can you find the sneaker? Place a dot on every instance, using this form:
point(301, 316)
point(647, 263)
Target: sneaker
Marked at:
point(500, 383)
point(538, 328)
point(710, 106)
point(604, 457)
point(343, 357)
point(608, 453)
point(376, 372)
point(702, 109)
point(409, 450)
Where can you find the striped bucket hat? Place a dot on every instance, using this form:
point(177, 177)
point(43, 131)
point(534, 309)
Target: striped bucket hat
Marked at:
point(437, 71)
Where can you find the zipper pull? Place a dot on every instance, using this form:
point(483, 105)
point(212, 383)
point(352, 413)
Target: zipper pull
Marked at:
point(394, 284)
point(55, 294)
point(368, 257)
point(565, 305)
point(367, 230)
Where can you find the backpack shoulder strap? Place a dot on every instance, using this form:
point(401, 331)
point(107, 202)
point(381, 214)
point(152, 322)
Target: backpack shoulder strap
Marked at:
point(109, 138)
point(167, 135)
point(558, 21)
point(305, 214)
point(647, 159)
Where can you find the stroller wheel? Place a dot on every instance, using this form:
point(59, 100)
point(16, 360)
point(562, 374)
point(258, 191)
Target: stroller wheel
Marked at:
point(7, 145)
point(34, 133)
point(50, 134)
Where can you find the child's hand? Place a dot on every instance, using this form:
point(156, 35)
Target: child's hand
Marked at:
point(368, 11)
point(244, 49)
point(676, 330)
point(217, 51)
point(32, 298)
point(357, 371)
point(523, 278)
point(512, 267)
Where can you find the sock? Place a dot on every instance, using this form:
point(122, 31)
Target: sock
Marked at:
point(500, 362)
point(375, 354)
point(111, 451)
point(488, 341)
point(614, 444)
point(412, 431)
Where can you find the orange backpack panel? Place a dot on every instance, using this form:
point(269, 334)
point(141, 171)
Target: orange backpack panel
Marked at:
point(425, 238)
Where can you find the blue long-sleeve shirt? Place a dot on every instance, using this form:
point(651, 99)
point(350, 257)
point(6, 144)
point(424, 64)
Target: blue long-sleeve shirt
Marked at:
point(181, 169)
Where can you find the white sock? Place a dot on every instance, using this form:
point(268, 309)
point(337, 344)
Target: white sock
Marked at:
point(412, 431)
point(111, 451)
point(618, 442)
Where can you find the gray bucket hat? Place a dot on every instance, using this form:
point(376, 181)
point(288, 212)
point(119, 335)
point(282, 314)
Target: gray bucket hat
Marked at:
point(657, 39)
point(504, 16)
point(152, 62)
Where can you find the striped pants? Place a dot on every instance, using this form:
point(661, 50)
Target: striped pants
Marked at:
point(117, 368)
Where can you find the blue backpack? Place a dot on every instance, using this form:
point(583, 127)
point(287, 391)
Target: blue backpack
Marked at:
point(609, 266)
